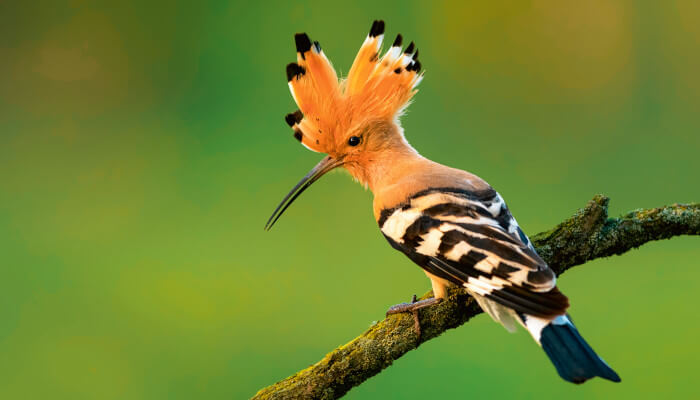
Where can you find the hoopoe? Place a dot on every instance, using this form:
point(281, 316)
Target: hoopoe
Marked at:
point(450, 222)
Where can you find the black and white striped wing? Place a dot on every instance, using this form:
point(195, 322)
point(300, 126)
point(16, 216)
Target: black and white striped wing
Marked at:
point(471, 239)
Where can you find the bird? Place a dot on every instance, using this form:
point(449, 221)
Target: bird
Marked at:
point(450, 222)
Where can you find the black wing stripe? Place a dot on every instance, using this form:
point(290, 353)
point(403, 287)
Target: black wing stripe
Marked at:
point(421, 226)
point(472, 257)
point(523, 305)
point(461, 272)
point(504, 270)
point(488, 231)
point(485, 195)
point(554, 300)
point(503, 251)
point(451, 210)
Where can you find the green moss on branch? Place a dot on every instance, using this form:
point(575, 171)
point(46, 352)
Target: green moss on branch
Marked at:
point(587, 235)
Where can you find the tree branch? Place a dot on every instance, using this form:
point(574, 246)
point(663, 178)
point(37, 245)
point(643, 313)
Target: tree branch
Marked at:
point(587, 235)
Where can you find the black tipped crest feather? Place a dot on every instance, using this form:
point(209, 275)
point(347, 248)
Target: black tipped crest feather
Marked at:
point(289, 119)
point(410, 48)
point(294, 70)
point(294, 118)
point(414, 66)
point(377, 28)
point(303, 42)
point(397, 41)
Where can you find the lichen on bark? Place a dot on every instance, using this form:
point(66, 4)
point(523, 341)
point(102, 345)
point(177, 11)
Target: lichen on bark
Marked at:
point(587, 235)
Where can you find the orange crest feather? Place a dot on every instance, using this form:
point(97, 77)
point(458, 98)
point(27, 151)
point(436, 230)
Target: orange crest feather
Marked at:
point(375, 89)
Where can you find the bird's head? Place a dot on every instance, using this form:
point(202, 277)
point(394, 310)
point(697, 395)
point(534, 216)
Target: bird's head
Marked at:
point(355, 121)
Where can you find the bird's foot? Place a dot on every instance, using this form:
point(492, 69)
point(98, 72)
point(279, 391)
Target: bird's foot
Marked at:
point(413, 308)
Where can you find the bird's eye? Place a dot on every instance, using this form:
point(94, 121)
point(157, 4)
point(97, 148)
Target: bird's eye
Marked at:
point(354, 141)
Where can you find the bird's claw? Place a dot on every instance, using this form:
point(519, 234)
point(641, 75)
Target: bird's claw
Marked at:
point(413, 308)
point(402, 307)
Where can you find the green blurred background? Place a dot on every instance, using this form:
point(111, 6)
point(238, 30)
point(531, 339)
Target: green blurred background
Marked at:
point(142, 148)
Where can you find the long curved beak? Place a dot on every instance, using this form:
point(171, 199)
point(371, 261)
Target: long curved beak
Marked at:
point(328, 163)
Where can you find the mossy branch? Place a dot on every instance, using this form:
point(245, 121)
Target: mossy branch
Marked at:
point(587, 235)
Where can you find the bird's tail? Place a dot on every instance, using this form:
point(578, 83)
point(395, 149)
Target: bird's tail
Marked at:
point(573, 358)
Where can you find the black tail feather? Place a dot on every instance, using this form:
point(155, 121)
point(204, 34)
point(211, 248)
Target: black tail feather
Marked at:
point(573, 358)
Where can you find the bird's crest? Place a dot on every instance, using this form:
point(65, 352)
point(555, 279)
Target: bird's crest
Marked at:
point(376, 89)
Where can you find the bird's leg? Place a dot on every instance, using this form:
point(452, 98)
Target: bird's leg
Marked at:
point(413, 308)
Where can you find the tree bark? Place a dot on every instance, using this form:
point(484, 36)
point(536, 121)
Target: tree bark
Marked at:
point(587, 235)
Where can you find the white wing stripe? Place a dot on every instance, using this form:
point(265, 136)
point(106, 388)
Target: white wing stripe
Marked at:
point(396, 225)
point(431, 243)
point(458, 251)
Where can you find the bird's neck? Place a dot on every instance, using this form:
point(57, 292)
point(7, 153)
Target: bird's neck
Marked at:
point(397, 174)
point(392, 165)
